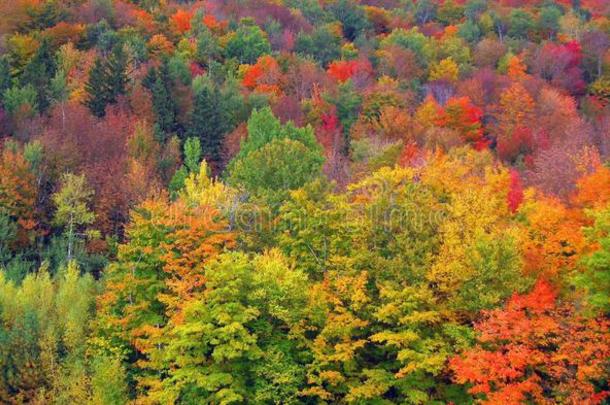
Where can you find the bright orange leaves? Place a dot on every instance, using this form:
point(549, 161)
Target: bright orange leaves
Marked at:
point(143, 19)
point(197, 236)
point(515, 67)
point(594, 189)
point(18, 192)
point(263, 76)
point(266, 65)
point(344, 70)
point(462, 116)
point(535, 351)
point(553, 239)
point(211, 22)
point(181, 21)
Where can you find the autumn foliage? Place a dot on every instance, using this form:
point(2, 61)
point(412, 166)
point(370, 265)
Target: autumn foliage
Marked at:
point(535, 349)
point(304, 202)
point(344, 70)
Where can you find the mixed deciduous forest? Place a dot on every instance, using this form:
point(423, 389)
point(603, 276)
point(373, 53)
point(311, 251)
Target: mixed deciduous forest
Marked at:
point(304, 202)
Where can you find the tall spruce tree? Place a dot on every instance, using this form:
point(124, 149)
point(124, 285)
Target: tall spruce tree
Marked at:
point(5, 78)
point(97, 96)
point(117, 71)
point(159, 83)
point(39, 73)
point(207, 122)
point(107, 81)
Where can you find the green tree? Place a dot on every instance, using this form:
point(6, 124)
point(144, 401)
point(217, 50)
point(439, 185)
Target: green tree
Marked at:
point(521, 23)
point(276, 168)
point(208, 48)
point(348, 103)
point(5, 78)
point(45, 328)
point(8, 236)
point(247, 44)
point(129, 307)
point(235, 110)
point(60, 93)
point(322, 44)
point(72, 211)
point(425, 10)
point(108, 381)
point(96, 89)
point(192, 154)
point(351, 17)
point(192, 157)
point(160, 83)
point(401, 264)
point(158, 271)
point(231, 347)
point(263, 127)
point(107, 80)
point(595, 279)
point(208, 122)
point(414, 41)
point(117, 71)
point(548, 20)
point(275, 158)
point(17, 98)
point(39, 72)
point(474, 8)
point(46, 15)
point(470, 31)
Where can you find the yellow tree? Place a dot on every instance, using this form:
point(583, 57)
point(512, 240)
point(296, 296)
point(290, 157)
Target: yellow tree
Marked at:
point(158, 271)
point(446, 69)
point(478, 238)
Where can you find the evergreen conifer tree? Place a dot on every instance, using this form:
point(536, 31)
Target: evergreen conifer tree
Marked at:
point(5, 78)
point(97, 96)
point(207, 122)
point(39, 73)
point(117, 75)
point(159, 82)
point(107, 81)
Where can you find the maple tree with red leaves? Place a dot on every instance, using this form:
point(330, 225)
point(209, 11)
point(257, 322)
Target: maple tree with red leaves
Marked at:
point(181, 21)
point(535, 349)
point(462, 116)
point(344, 70)
point(264, 72)
point(515, 192)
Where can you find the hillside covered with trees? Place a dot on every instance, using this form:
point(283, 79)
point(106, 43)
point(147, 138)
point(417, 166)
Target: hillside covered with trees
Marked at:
point(304, 202)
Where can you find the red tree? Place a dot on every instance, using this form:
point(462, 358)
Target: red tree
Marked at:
point(535, 351)
point(515, 192)
point(343, 70)
point(462, 116)
point(560, 64)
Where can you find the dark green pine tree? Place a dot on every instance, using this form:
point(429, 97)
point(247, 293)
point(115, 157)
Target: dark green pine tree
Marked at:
point(39, 73)
point(160, 84)
point(207, 122)
point(96, 87)
point(107, 81)
point(5, 78)
point(117, 72)
point(163, 105)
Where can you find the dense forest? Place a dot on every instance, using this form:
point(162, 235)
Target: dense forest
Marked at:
point(304, 202)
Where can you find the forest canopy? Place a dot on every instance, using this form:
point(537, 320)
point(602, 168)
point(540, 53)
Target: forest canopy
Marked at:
point(304, 202)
